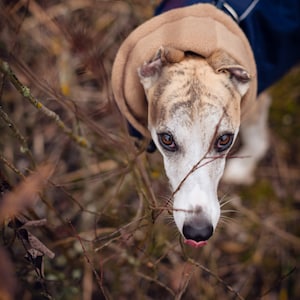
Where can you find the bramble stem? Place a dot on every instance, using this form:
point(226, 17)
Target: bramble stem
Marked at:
point(26, 93)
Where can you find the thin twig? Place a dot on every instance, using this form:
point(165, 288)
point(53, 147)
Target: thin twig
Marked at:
point(220, 280)
point(180, 294)
point(199, 163)
point(158, 282)
point(24, 146)
point(26, 93)
point(11, 166)
point(266, 224)
point(99, 278)
point(278, 282)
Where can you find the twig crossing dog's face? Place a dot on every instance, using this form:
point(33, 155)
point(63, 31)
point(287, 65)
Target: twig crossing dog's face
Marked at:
point(194, 118)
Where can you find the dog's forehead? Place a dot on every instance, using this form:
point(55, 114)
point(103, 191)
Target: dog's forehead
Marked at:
point(190, 90)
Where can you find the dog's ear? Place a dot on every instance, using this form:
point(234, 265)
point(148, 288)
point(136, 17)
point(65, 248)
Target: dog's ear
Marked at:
point(239, 76)
point(150, 71)
point(222, 62)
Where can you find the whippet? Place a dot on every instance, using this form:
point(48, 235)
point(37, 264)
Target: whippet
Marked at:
point(195, 98)
point(194, 118)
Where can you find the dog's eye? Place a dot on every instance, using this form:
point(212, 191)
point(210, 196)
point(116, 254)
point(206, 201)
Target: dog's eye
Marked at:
point(167, 141)
point(224, 142)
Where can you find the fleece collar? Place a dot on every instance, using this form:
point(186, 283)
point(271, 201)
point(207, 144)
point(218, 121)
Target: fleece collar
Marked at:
point(200, 28)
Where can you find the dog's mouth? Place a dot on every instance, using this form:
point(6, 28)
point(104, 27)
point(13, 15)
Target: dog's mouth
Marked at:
point(195, 244)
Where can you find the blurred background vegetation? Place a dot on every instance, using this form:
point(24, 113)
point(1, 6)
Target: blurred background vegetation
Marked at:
point(88, 210)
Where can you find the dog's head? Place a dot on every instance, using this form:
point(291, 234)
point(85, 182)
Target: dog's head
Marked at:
point(194, 118)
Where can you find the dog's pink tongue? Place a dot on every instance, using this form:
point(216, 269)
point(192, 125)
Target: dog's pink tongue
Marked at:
point(195, 244)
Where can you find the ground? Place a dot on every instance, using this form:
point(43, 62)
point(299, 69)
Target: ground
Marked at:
point(75, 185)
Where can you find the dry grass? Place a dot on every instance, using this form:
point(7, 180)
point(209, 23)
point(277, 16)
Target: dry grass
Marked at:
point(65, 156)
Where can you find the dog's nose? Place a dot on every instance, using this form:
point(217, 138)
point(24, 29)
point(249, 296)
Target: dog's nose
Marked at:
point(197, 231)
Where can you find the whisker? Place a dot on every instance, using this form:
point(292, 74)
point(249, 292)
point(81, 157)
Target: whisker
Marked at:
point(226, 222)
point(223, 203)
point(225, 199)
point(226, 218)
point(229, 211)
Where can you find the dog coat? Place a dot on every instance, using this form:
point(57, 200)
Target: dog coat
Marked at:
point(201, 29)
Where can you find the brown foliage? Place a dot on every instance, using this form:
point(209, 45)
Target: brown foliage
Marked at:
point(66, 157)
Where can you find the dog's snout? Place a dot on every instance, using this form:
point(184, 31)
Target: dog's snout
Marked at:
point(200, 230)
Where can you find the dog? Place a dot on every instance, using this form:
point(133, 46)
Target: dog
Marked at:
point(192, 95)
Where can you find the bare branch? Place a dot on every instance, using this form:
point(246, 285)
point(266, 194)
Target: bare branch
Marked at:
point(26, 93)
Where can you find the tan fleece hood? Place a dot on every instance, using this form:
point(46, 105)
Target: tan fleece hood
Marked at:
point(199, 28)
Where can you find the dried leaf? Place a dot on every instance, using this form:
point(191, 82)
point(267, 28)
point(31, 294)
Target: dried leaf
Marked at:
point(34, 247)
point(36, 244)
point(36, 258)
point(20, 224)
point(17, 222)
point(35, 223)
